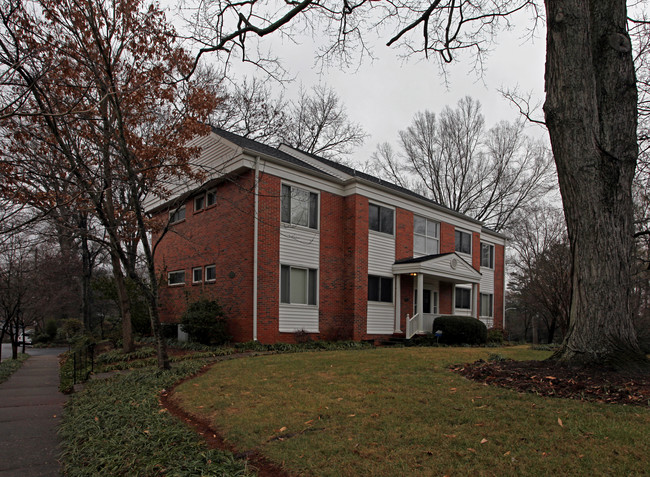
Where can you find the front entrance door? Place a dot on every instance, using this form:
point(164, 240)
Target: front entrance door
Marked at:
point(429, 306)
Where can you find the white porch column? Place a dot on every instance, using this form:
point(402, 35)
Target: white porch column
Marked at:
point(398, 301)
point(420, 306)
point(474, 307)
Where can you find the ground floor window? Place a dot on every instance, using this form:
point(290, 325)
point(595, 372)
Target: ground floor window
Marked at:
point(487, 301)
point(463, 298)
point(380, 289)
point(298, 285)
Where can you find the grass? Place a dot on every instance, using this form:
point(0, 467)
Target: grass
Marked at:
point(389, 412)
point(117, 427)
point(10, 366)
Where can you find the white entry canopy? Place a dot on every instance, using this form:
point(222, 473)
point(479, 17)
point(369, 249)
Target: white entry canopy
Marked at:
point(449, 266)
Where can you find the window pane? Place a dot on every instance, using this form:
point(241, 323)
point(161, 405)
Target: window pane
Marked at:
point(299, 207)
point(432, 246)
point(426, 302)
point(313, 210)
point(313, 286)
point(386, 220)
point(419, 245)
point(176, 278)
point(373, 288)
point(435, 302)
point(432, 229)
point(463, 242)
point(197, 274)
point(210, 273)
point(198, 203)
point(284, 284)
point(386, 292)
point(298, 280)
point(463, 298)
point(373, 219)
point(286, 204)
point(211, 198)
point(419, 225)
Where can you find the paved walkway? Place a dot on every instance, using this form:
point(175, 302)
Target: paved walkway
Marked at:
point(30, 411)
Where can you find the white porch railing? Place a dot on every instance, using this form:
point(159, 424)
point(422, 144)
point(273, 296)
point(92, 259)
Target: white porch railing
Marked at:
point(413, 325)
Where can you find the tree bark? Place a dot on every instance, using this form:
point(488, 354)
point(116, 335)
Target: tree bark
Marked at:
point(591, 114)
point(125, 304)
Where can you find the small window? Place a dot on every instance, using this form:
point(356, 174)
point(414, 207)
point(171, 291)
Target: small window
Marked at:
point(463, 242)
point(197, 275)
point(299, 207)
point(210, 273)
point(380, 219)
point(211, 198)
point(487, 301)
point(176, 278)
point(380, 289)
point(425, 236)
point(298, 286)
point(199, 203)
point(487, 255)
point(177, 215)
point(463, 298)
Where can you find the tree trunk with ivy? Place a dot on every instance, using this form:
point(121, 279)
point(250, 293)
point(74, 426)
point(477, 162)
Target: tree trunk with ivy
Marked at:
point(591, 114)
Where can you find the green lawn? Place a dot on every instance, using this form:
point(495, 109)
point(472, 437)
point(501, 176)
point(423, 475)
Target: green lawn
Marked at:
point(400, 411)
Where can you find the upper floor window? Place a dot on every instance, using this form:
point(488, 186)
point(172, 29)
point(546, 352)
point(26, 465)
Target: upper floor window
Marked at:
point(463, 242)
point(211, 198)
point(299, 207)
point(199, 203)
point(210, 273)
point(426, 234)
point(298, 285)
point(487, 255)
point(197, 275)
point(176, 278)
point(381, 219)
point(380, 289)
point(463, 298)
point(177, 215)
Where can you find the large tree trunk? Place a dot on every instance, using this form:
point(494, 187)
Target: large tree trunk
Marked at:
point(591, 114)
point(125, 305)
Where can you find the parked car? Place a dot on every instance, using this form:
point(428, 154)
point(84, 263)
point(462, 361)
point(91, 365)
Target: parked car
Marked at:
point(26, 338)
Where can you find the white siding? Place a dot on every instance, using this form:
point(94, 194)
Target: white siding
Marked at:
point(381, 254)
point(299, 246)
point(381, 318)
point(487, 280)
point(298, 317)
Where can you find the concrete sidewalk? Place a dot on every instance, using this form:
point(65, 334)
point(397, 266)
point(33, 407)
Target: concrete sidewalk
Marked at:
point(30, 411)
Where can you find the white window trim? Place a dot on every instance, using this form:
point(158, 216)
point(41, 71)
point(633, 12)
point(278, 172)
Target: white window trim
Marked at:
point(197, 198)
point(175, 212)
point(311, 191)
point(437, 237)
point(317, 294)
point(471, 242)
point(481, 295)
point(392, 293)
point(469, 308)
point(205, 274)
point(199, 269)
point(378, 232)
point(493, 255)
point(214, 192)
point(169, 274)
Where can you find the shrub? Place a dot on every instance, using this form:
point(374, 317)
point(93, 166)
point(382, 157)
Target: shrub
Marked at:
point(51, 328)
point(460, 330)
point(496, 335)
point(205, 322)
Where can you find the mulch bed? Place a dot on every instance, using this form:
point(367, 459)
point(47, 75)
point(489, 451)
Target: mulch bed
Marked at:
point(548, 379)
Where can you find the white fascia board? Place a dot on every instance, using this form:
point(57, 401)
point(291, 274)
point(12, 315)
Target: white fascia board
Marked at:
point(495, 238)
point(317, 164)
point(464, 273)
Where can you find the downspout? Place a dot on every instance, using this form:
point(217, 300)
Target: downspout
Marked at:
point(255, 240)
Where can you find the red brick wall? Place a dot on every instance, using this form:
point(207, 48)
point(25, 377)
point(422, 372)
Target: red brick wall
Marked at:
point(333, 319)
point(499, 266)
point(476, 251)
point(446, 296)
point(220, 235)
point(356, 265)
point(268, 259)
point(447, 238)
point(404, 249)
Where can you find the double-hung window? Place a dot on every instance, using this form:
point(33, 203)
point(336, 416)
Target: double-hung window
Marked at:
point(197, 275)
point(210, 273)
point(380, 219)
point(487, 255)
point(487, 302)
point(298, 286)
point(199, 203)
point(299, 207)
point(380, 289)
point(463, 242)
point(463, 298)
point(211, 198)
point(426, 234)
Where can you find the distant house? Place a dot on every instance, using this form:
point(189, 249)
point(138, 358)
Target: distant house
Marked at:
point(293, 243)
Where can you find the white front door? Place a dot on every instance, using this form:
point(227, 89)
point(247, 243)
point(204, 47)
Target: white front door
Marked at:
point(429, 306)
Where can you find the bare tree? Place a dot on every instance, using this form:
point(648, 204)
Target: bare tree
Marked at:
point(454, 160)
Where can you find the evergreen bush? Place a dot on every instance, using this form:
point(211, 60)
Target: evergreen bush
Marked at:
point(460, 330)
point(204, 322)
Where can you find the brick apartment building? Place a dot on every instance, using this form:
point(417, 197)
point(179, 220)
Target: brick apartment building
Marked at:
point(291, 243)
